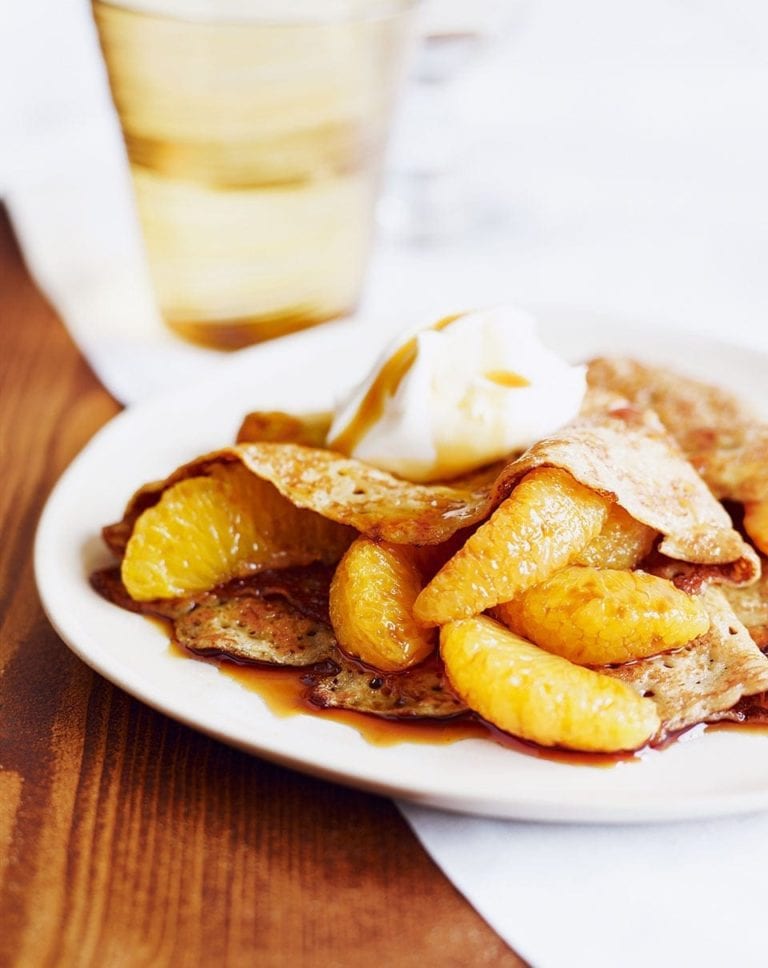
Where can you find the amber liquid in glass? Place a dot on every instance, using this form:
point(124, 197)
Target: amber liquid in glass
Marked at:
point(254, 149)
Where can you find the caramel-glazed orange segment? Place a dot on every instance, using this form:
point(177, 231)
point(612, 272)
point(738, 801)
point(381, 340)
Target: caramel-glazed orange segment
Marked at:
point(371, 602)
point(207, 530)
point(547, 520)
point(598, 616)
point(539, 696)
point(622, 543)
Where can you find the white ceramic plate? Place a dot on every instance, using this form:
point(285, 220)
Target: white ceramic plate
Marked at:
point(704, 775)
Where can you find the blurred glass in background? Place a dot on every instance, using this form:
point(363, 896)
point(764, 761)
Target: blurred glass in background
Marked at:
point(255, 132)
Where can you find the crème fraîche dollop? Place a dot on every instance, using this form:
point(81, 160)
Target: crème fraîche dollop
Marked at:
point(449, 398)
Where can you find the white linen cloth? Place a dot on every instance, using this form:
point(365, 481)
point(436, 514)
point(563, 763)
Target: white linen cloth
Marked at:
point(667, 896)
point(625, 147)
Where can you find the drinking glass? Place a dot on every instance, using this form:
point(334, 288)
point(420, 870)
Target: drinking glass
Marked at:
point(255, 131)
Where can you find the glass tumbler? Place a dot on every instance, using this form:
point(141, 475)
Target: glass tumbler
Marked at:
point(255, 132)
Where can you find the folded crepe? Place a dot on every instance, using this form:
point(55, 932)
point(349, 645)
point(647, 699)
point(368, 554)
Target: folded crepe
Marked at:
point(751, 607)
point(627, 455)
point(722, 437)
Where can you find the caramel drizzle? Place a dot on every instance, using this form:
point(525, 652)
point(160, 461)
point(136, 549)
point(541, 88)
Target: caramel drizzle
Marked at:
point(383, 387)
point(507, 378)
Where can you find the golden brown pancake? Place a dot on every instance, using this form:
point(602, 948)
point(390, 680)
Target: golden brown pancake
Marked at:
point(751, 606)
point(282, 620)
point(720, 435)
point(627, 455)
point(273, 618)
point(422, 692)
point(338, 488)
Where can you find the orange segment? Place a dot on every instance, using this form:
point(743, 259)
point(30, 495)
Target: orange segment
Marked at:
point(539, 696)
point(208, 530)
point(622, 543)
point(596, 617)
point(547, 519)
point(371, 602)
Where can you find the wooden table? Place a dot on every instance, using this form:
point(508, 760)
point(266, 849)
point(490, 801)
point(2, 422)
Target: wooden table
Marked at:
point(128, 839)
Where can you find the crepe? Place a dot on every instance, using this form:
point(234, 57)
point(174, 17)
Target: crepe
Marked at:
point(627, 455)
point(733, 462)
point(721, 436)
point(751, 607)
point(272, 618)
point(281, 619)
point(421, 693)
point(682, 403)
point(255, 629)
point(338, 488)
point(709, 675)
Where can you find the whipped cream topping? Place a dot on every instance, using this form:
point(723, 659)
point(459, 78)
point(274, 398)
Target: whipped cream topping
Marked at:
point(452, 397)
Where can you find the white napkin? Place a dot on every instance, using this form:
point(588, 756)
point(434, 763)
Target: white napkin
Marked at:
point(611, 897)
point(624, 148)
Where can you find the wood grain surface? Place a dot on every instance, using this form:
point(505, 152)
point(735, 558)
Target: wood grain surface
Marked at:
point(127, 839)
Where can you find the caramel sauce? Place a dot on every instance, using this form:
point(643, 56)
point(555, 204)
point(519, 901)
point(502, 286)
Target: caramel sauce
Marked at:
point(385, 385)
point(507, 378)
point(283, 692)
